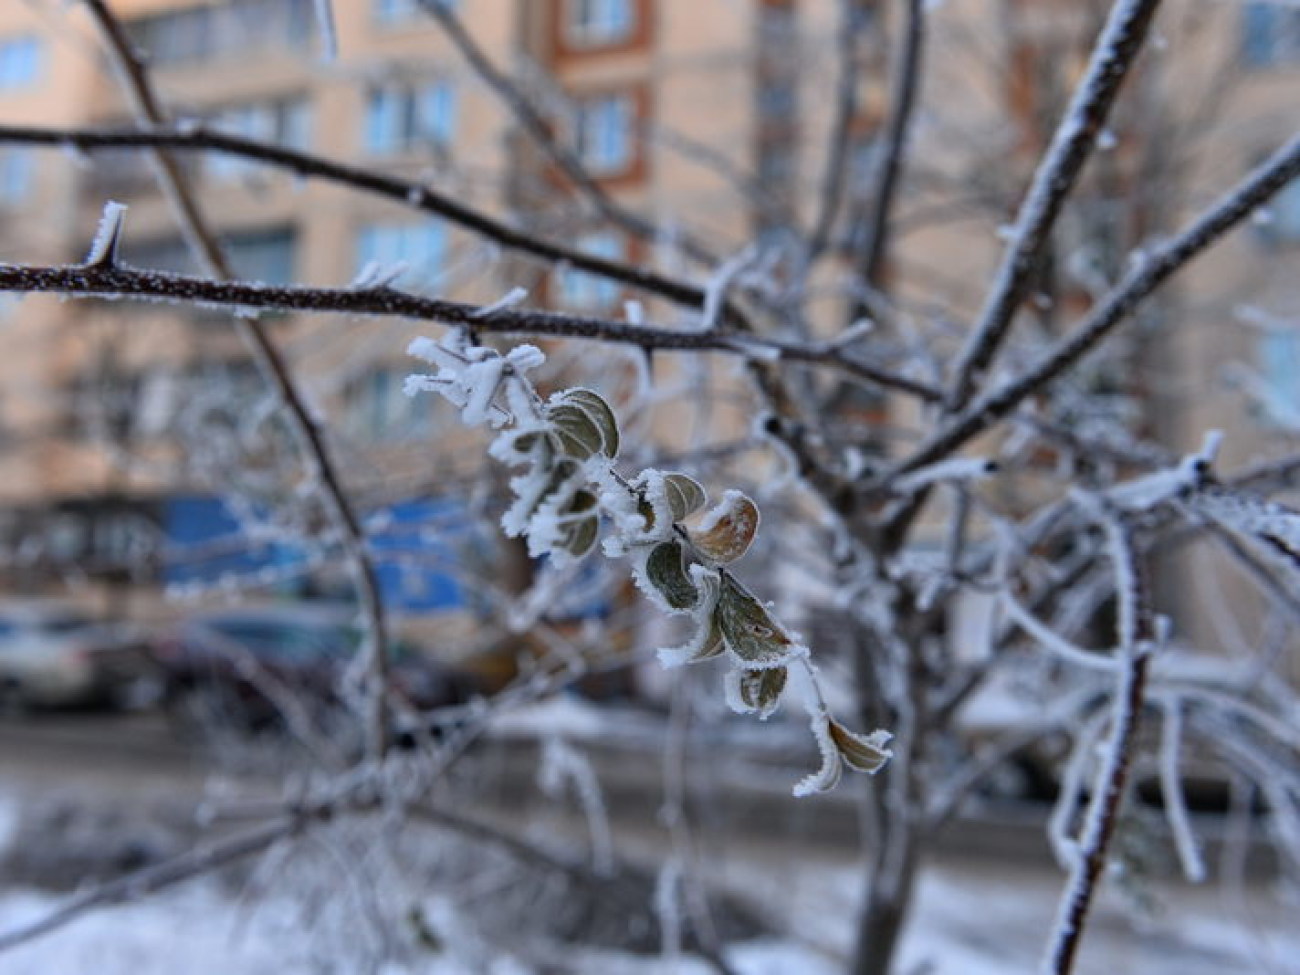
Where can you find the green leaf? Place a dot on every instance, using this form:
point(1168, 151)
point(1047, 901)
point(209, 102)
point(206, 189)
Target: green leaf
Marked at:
point(760, 690)
point(750, 632)
point(600, 414)
point(862, 753)
point(727, 531)
point(685, 495)
point(667, 574)
point(575, 431)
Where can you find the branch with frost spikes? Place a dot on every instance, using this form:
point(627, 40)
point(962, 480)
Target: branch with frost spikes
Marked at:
point(415, 195)
point(1113, 55)
point(1145, 274)
point(1136, 631)
point(521, 107)
point(125, 282)
point(135, 80)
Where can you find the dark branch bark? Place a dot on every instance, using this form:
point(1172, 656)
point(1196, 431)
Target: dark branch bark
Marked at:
point(125, 282)
point(1116, 49)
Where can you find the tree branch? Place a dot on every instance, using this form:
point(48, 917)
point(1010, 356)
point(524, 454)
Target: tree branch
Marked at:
point(125, 282)
point(1136, 634)
point(406, 192)
point(1146, 273)
point(875, 232)
point(1113, 55)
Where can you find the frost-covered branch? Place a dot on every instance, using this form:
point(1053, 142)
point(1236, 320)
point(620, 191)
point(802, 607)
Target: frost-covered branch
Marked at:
point(1114, 53)
point(1137, 633)
point(125, 282)
point(680, 554)
point(1146, 273)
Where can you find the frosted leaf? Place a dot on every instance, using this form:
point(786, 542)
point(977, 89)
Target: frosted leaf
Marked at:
point(586, 418)
point(726, 532)
point(653, 506)
point(482, 381)
point(706, 637)
point(862, 753)
point(103, 250)
point(685, 495)
point(754, 691)
point(666, 572)
point(751, 634)
point(838, 745)
point(827, 776)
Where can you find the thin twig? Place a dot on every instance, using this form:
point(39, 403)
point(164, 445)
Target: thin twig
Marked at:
point(1114, 53)
point(1136, 631)
point(907, 78)
point(120, 282)
point(1147, 272)
point(853, 21)
point(135, 80)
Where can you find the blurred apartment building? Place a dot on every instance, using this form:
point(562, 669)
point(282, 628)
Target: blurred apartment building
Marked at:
point(709, 116)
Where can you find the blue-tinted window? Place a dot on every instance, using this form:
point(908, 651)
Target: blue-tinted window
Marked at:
point(402, 116)
point(1270, 33)
point(420, 247)
point(21, 62)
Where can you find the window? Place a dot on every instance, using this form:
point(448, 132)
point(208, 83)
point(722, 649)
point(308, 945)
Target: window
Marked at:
point(590, 292)
point(286, 122)
point(20, 62)
point(387, 12)
point(596, 23)
point(421, 247)
point(1270, 33)
point(381, 409)
point(236, 28)
point(402, 116)
point(15, 176)
point(603, 133)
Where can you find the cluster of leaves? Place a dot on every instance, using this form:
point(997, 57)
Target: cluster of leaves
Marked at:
point(680, 553)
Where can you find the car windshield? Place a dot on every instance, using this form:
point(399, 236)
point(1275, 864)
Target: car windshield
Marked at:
point(287, 640)
point(64, 623)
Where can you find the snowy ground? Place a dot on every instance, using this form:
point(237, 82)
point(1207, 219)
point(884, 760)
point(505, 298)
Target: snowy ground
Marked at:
point(976, 913)
point(973, 917)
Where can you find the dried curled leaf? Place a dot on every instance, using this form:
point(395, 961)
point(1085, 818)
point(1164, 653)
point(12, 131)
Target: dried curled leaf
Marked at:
point(839, 746)
point(726, 532)
point(862, 753)
point(685, 495)
point(706, 640)
point(759, 691)
point(749, 630)
point(667, 573)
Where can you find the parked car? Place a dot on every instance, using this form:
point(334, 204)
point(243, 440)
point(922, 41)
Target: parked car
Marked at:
point(243, 667)
point(52, 655)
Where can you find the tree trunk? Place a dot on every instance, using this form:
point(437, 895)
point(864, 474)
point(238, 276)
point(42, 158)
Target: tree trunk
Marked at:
point(887, 899)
